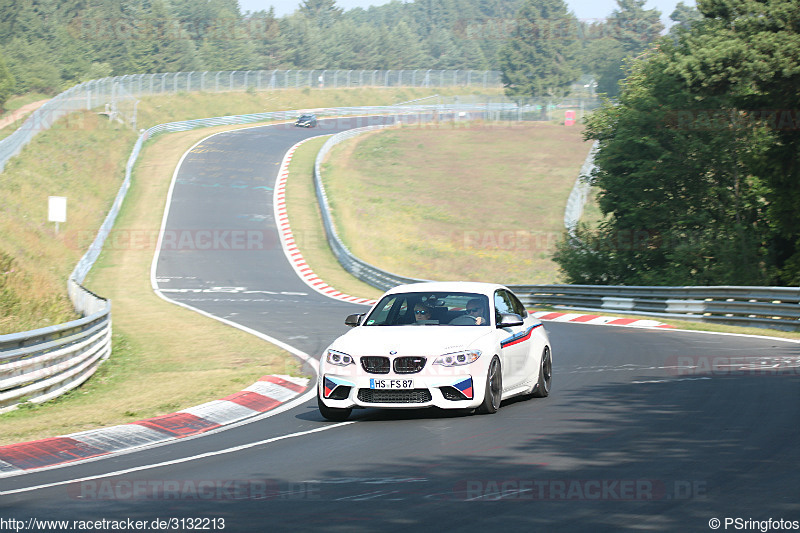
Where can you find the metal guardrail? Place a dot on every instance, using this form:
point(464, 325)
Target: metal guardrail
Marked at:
point(360, 269)
point(772, 307)
point(44, 363)
point(580, 191)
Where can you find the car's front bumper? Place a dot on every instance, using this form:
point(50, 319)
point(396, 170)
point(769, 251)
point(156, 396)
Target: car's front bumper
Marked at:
point(456, 391)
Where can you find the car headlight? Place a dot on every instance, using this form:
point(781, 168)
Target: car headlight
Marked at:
point(458, 358)
point(338, 358)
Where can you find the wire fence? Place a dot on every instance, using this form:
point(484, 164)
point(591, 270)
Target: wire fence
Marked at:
point(117, 97)
point(240, 80)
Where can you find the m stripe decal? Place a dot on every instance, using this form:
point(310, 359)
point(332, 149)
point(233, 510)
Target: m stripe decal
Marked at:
point(519, 337)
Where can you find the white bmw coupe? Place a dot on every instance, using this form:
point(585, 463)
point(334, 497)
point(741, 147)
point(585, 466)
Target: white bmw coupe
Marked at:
point(453, 345)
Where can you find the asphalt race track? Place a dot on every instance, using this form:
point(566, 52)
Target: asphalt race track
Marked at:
point(645, 429)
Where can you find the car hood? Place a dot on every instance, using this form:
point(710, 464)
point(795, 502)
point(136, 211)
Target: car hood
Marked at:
point(409, 340)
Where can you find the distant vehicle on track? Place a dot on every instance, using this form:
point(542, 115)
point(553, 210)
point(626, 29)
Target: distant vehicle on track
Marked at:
point(306, 121)
point(452, 345)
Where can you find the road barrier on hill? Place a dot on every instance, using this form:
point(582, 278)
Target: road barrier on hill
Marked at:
point(360, 269)
point(44, 363)
point(773, 307)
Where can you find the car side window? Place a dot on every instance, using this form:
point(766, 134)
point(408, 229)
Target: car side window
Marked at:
point(501, 305)
point(517, 305)
point(506, 302)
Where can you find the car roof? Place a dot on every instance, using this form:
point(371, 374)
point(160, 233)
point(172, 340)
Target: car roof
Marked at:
point(448, 286)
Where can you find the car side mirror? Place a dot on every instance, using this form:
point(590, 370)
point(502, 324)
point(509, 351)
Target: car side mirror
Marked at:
point(510, 320)
point(354, 320)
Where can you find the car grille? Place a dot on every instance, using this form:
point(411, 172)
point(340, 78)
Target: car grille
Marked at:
point(408, 365)
point(375, 364)
point(394, 396)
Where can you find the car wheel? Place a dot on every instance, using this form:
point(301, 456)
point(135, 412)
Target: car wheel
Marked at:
point(545, 375)
point(494, 388)
point(334, 414)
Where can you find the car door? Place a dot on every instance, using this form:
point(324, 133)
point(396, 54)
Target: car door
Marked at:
point(530, 365)
point(514, 341)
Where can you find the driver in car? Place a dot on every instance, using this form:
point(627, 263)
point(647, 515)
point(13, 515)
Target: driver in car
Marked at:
point(476, 310)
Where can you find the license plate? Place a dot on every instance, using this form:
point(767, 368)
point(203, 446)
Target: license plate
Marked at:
point(391, 383)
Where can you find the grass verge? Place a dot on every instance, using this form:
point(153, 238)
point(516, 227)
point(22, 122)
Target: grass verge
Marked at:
point(306, 223)
point(466, 201)
point(83, 159)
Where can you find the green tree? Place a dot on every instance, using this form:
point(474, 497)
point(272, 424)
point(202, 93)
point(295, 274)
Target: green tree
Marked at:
point(321, 13)
point(224, 38)
point(625, 34)
point(264, 30)
point(159, 42)
point(684, 16)
point(30, 67)
point(749, 52)
point(701, 157)
point(302, 43)
point(536, 60)
point(400, 49)
point(681, 206)
point(7, 83)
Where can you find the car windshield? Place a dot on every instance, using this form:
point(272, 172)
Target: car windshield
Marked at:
point(306, 117)
point(429, 309)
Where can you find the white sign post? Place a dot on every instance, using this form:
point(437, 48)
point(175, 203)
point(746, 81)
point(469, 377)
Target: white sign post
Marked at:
point(57, 210)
